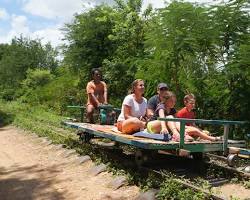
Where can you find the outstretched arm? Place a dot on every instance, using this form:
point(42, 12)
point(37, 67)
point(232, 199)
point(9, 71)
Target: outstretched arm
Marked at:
point(93, 99)
point(151, 108)
point(127, 111)
point(105, 94)
point(164, 129)
point(90, 91)
point(150, 113)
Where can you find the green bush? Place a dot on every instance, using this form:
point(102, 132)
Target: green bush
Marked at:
point(37, 78)
point(52, 90)
point(170, 189)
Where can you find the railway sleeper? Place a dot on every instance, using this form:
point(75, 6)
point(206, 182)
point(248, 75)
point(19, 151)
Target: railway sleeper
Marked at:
point(215, 182)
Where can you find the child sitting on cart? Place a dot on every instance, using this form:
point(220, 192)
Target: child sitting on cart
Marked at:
point(165, 109)
point(188, 113)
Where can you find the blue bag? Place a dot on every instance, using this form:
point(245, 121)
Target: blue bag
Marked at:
point(162, 137)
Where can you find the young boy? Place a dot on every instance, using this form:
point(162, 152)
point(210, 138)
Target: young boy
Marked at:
point(188, 113)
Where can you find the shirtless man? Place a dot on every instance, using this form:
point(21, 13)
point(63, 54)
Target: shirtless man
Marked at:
point(97, 93)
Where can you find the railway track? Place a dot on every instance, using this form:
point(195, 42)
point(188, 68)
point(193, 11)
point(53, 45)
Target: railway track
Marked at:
point(187, 184)
point(186, 176)
point(185, 170)
point(166, 161)
point(215, 161)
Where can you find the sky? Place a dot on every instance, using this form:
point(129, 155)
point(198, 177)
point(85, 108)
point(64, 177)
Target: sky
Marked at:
point(43, 19)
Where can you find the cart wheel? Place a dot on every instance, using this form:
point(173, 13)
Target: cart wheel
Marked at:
point(198, 156)
point(247, 169)
point(140, 157)
point(87, 137)
point(80, 133)
point(84, 137)
point(232, 160)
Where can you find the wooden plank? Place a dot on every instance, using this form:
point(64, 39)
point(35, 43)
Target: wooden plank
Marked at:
point(245, 153)
point(233, 150)
point(127, 139)
point(106, 131)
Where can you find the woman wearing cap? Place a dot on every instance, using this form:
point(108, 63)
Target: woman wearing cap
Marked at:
point(162, 88)
point(133, 112)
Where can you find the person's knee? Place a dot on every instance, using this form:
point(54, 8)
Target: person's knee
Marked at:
point(90, 109)
point(131, 125)
point(193, 130)
point(90, 114)
point(138, 123)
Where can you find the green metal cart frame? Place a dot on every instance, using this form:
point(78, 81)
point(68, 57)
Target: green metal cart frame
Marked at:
point(191, 147)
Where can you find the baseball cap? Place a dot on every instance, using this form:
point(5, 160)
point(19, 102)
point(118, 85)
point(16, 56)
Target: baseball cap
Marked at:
point(162, 85)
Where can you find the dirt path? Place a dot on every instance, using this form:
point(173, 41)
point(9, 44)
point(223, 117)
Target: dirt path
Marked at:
point(31, 170)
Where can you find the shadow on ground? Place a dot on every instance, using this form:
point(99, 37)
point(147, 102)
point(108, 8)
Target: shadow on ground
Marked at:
point(31, 182)
point(6, 118)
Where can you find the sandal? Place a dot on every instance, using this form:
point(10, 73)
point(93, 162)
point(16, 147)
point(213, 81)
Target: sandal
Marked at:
point(219, 138)
point(188, 138)
point(176, 137)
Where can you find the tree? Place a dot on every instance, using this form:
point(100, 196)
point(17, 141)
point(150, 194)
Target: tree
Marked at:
point(177, 46)
point(128, 37)
point(227, 86)
point(88, 40)
point(23, 54)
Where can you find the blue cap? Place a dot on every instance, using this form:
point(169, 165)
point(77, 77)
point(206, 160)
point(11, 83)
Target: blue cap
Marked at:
point(162, 85)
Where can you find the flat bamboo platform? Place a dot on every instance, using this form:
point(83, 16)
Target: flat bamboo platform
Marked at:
point(110, 132)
